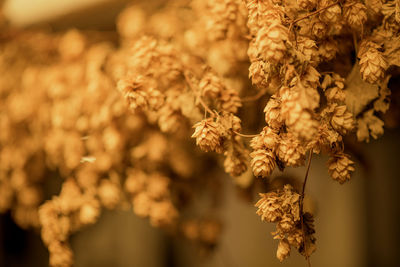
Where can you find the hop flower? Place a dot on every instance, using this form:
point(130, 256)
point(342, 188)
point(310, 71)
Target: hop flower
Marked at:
point(372, 65)
point(208, 135)
point(295, 109)
point(133, 91)
point(169, 119)
point(283, 250)
point(328, 49)
point(331, 14)
point(342, 120)
point(230, 101)
point(290, 151)
point(60, 255)
point(211, 85)
point(355, 14)
point(340, 167)
point(270, 42)
point(273, 113)
point(307, 4)
point(109, 193)
point(163, 214)
point(268, 138)
point(235, 163)
point(263, 162)
point(269, 207)
point(318, 28)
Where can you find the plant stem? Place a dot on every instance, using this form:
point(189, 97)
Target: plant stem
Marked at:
point(301, 207)
point(245, 135)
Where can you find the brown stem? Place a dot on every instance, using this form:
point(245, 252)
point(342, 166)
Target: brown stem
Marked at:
point(245, 135)
point(314, 13)
point(199, 98)
point(301, 207)
point(204, 105)
point(254, 97)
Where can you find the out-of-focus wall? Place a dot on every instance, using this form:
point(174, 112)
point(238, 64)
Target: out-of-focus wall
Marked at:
point(60, 14)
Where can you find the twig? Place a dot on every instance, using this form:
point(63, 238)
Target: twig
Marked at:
point(254, 97)
point(301, 207)
point(204, 105)
point(199, 98)
point(245, 135)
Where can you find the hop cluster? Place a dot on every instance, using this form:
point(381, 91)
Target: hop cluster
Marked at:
point(283, 208)
point(180, 66)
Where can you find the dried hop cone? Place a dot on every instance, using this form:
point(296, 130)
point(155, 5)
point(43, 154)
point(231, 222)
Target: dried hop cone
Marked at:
point(342, 120)
point(273, 113)
point(331, 14)
point(208, 135)
point(372, 65)
point(307, 4)
point(262, 162)
point(270, 42)
point(355, 14)
point(235, 164)
point(269, 207)
point(340, 167)
point(283, 250)
point(132, 90)
point(229, 101)
point(290, 151)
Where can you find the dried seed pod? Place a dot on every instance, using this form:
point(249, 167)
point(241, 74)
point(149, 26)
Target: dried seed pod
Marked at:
point(208, 135)
point(328, 49)
point(210, 85)
point(60, 255)
point(109, 194)
point(269, 207)
point(355, 14)
point(372, 64)
point(330, 15)
point(230, 101)
point(307, 4)
point(268, 138)
point(270, 41)
point(163, 214)
point(273, 113)
point(340, 167)
point(263, 162)
point(142, 204)
point(169, 119)
point(290, 151)
point(342, 120)
point(318, 28)
point(283, 250)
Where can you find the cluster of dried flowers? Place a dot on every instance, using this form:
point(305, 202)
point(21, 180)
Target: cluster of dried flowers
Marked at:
point(114, 118)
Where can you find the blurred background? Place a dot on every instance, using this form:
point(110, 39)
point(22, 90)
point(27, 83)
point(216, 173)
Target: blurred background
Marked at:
point(356, 223)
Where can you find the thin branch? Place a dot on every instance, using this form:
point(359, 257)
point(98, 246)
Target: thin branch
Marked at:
point(315, 12)
point(245, 135)
point(204, 105)
point(199, 98)
point(254, 97)
point(301, 206)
